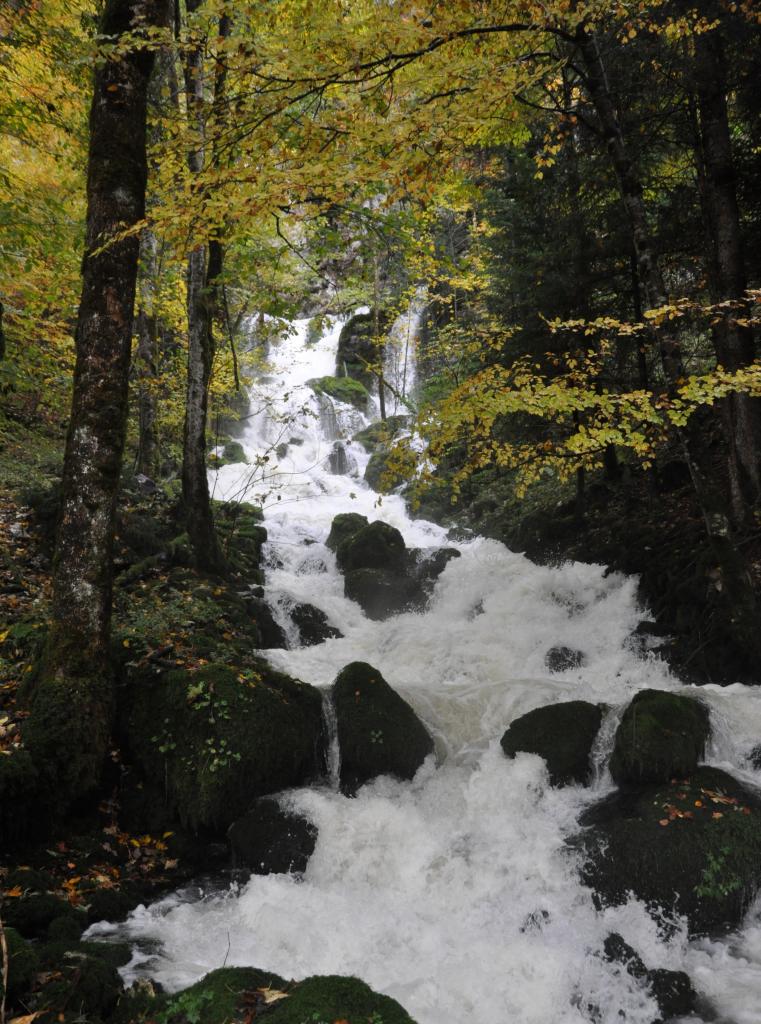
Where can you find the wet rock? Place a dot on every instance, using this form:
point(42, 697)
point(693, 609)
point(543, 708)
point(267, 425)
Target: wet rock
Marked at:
point(376, 546)
point(205, 743)
point(382, 593)
point(649, 636)
point(661, 735)
point(378, 732)
point(334, 998)
point(672, 990)
point(563, 734)
point(281, 450)
point(561, 659)
point(381, 433)
point(379, 473)
point(269, 840)
point(345, 525)
point(82, 984)
point(689, 847)
point(31, 915)
point(313, 625)
point(339, 460)
point(270, 631)
point(429, 563)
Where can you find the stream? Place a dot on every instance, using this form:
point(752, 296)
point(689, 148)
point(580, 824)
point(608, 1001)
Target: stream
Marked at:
point(454, 893)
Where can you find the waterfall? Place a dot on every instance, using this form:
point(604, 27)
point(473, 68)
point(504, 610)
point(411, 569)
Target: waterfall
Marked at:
point(454, 893)
point(331, 732)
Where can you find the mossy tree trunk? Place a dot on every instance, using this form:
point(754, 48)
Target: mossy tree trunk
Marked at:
point(68, 732)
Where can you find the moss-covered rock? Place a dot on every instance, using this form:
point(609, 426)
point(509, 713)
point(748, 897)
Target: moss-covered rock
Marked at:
point(209, 741)
point(380, 473)
point(269, 840)
point(23, 965)
point(82, 986)
point(33, 913)
point(333, 998)
point(381, 433)
point(376, 546)
point(690, 846)
point(232, 993)
point(232, 453)
point(357, 347)
point(563, 734)
point(345, 525)
point(20, 803)
point(661, 735)
point(378, 732)
point(562, 659)
point(342, 389)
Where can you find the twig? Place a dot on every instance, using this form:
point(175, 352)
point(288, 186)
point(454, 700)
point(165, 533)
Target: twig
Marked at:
point(6, 967)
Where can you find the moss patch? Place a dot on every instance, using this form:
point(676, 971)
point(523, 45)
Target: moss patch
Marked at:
point(342, 389)
point(563, 734)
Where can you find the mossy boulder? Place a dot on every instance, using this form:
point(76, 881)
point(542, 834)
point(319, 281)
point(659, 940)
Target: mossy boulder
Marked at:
point(270, 840)
point(232, 453)
point(376, 546)
point(232, 993)
point(23, 964)
point(381, 592)
point(345, 525)
point(20, 803)
point(342, 389)
point(32, 913)
point(562, 659)
point(334, 998)
point(378, 732)
point(661, 735)
point(563, 734)
point(357, 347)
point(688, 846)
point(381, 433)
point(83, 986)
point(208, 741)
point(380, 473)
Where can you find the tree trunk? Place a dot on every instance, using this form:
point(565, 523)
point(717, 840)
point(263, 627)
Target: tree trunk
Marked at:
point(72, 700)
point(147, 357)
point(735, 346)
point(203, 271)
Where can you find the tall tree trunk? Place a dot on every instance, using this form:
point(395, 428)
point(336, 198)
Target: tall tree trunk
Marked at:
point(735, 346)
point(72, 700)
point(203, 269)
point(147, 357)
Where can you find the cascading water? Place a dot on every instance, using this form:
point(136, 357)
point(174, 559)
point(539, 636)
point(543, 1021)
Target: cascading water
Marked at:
point(455, 893)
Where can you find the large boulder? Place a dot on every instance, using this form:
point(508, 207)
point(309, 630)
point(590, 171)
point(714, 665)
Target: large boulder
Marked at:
point(376, 546)
point(691, 847)
point(378, 732)
point(268, 840)
point(345, 525)
point(661, 735)
point(357, 346)
point(206, 742)
point(382, 593)
point(242, 993)
point(561, 659)
point(23, 965)
point(563, 734)
point(380, 473)
point(381, 433)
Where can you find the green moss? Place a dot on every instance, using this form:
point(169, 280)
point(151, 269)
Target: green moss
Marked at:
point(218, 738)
point(380, 433)
point(220, 997)
point(19, 792)
point(377, 546)
point(661, 735)
point(323, 1000)
point(380, 475)
point(345, 525)
point(232, 454)
point(342, 389)
point(23, 965)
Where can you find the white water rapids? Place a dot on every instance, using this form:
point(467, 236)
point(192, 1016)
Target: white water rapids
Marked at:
point(453, 893)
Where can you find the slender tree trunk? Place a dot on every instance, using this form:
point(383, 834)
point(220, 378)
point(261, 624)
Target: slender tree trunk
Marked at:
point(147, 357)
point(735, 345)
point(203, 269)
point(72, 701)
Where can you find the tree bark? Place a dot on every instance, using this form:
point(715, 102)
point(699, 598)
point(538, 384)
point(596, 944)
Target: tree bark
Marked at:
point(147, 357)
point(69, 728)
point(735, 345)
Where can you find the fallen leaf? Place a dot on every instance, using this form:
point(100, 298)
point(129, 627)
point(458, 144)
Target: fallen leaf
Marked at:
point(271, 995)
point(717, 814)
point(663, 821)
point(27, 1019)
point(698, 803)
